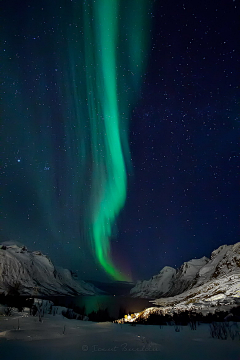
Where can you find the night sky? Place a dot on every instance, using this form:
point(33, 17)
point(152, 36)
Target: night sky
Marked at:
point(120, 132)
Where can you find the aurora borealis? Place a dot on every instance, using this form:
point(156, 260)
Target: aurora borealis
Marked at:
point(120, 128)
point(108, 128)
point(90, 126)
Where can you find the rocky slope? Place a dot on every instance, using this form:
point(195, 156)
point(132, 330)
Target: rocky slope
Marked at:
point(32, 273)
point(224, 262)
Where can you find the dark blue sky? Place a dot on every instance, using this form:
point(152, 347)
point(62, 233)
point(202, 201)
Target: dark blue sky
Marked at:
point(183, 193)
point(184, 196)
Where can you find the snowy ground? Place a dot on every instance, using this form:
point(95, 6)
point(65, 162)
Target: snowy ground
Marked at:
point(63, 339)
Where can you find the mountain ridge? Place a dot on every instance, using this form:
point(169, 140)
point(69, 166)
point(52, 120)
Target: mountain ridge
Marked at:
point(224, 261)
point(25, 272)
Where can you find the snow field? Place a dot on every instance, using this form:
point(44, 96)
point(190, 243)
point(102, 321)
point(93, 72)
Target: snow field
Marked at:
point(63, 339)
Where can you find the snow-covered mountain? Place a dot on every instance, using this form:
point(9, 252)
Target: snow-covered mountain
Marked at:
point(224, 262)
point(186, 275)
point(157, 286)
point(32, 273)
point(201, 286)
point(217, 295)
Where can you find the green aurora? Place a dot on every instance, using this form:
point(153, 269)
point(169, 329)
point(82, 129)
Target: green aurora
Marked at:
point(106, 84)
point(80, 135)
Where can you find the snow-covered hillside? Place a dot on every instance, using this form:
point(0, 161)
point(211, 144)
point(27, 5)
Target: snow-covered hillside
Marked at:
point(32, 273)
point(224, 262)
point(158, 285)
point(186, 275)
point(222, 294)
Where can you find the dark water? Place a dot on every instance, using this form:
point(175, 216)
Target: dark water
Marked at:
point(112, 303)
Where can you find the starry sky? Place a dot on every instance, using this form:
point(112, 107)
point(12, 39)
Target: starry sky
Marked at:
point(155, 185)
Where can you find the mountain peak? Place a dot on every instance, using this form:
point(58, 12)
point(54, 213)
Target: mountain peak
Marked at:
point(224, 261)
point(34, 274)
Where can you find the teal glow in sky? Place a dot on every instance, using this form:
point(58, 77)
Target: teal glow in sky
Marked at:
point(108, 115)
point(73, 140)
point(83, 82)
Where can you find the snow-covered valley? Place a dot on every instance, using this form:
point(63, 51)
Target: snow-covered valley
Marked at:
point(60, 338)
point(200, 287)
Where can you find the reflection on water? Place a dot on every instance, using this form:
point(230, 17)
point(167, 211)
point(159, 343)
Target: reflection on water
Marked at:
point(112, 303)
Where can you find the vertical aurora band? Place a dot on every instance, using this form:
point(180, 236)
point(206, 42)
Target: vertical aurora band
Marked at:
point(114, 42)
